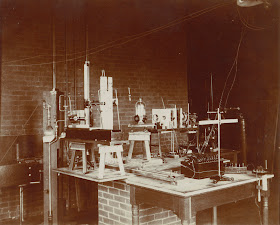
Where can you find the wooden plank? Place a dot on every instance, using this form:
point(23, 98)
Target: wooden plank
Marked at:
point(156, 198)
point(109, 174)
point(192, 187)
point(223, 196)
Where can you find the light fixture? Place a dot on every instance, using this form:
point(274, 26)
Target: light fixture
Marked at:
point(249, 3)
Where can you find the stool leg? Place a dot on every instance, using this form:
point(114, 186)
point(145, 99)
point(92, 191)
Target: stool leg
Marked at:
point(148, 152)
point(131, 146)
point(84, 152)
point(92, 148)
point(71, 166)
point(159, 147)
point(101, 165)
point(119, 156)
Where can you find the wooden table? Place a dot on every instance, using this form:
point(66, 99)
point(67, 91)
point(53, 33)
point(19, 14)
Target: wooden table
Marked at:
point(192, 195)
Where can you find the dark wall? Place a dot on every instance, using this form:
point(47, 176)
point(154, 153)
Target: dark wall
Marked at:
point(212, 47)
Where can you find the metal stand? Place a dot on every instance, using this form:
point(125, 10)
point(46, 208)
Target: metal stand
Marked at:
point(219, 121)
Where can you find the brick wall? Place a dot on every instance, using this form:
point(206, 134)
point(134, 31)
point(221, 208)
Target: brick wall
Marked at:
point(153, 66)
point(114, 207)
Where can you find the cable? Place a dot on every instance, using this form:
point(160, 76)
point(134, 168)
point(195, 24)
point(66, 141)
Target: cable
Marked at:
point(228, 75)
point(17, 60)
point(220, 103)
point(152, 30)
point(236, 62)
point(140, 35)
point(246, 24)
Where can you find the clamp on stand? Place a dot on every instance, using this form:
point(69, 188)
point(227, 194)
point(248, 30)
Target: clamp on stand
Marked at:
point(262, 187)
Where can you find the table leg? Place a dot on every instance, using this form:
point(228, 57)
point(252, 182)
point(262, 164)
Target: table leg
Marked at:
point(265, 210)
point(135, 206)
point(186, 213)
point(215, 216)
point(135, 214)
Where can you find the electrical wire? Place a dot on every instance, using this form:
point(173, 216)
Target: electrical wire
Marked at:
point(137, 36)
point(205, 143)
point(236, 63)
point(18, 60)
point(192, 15)
point(246, 24)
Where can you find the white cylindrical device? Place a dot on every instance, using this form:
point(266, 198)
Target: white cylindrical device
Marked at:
point(86, 81)
point(140, 108)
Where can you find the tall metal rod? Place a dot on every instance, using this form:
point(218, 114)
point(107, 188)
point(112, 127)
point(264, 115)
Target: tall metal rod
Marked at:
point(54, 53)
point(86, 42)
point(66, 102)
point(75, 78)
point(21, 219)
point(212, 97)
point(219, 141)
point(50, 186)
point(66, 72)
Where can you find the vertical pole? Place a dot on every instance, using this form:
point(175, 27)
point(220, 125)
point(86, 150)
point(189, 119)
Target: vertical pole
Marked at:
point(17, 149)
point(50, 161)
point(54, 53)
point(212, 97)
point(86, 92)
point(219, 141)
point(21, 204)
point(135, 206)
point(265, 210)
point(159, 147)
point(135, 214)
point(215, 216)
point(243, 139)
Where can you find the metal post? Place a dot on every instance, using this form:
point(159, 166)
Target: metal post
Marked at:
point(215, 216)
point(219, 141)
point(21, 218)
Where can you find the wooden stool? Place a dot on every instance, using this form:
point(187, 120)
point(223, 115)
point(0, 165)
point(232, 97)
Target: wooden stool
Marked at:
point(139, 136)
point(75, 146)
point(103, 151)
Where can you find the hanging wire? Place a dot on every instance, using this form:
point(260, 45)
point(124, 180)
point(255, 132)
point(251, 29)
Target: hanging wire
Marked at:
point(236, 62)
point(130, 38)
point(205, 143)
point(246, 23)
